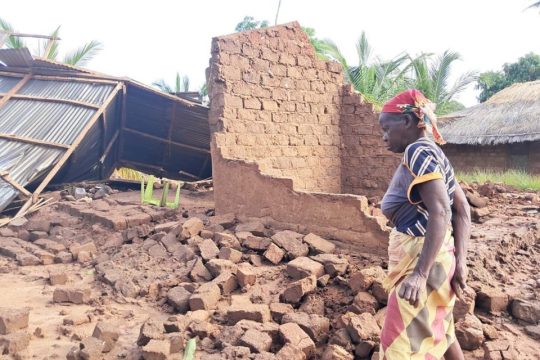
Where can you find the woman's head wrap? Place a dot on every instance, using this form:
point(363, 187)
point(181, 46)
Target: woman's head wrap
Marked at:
point(413, 101)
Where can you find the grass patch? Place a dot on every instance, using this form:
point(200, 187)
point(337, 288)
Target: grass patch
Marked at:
point(515, 178)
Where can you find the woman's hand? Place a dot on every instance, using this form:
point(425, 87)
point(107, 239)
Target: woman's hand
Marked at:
point(411, 288)
point(459, 280)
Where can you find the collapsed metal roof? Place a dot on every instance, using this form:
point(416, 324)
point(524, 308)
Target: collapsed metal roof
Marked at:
point(62, 124)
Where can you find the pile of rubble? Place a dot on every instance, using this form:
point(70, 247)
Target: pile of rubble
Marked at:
point(248, 289)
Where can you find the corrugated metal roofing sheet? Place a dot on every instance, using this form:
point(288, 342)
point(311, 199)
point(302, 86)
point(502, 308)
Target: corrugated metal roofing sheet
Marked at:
point(16, 57)
point(47, 121)
point(7, 82)
point(93, 93)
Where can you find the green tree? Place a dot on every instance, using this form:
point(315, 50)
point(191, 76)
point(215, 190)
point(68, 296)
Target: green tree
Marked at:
point(181, 84)
point(431, 76)
point(377, 79)
point(527, 68)
point(50, 50)
point(249, 23)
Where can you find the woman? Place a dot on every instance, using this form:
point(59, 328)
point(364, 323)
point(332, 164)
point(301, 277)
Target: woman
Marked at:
point(427, 247)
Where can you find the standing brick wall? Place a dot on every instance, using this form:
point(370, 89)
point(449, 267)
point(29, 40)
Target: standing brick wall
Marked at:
point(366, 165)
point(276, 104)
point(289, 138)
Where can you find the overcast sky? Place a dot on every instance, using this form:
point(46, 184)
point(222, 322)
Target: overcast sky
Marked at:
point(149, 40)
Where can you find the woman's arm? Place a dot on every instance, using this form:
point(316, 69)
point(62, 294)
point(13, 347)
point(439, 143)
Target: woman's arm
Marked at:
point(435, 197)
point(461, 224)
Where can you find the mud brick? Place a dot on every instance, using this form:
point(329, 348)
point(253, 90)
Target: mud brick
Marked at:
point(492, 300)
point(246, 275)
point(39, 225)
point(336, 352)
point(208, 249)
point(292, 334)
point(191, 227)
point(36, 235)
point(296, 290)
point(72, 295)
point(178, 297)
point(138, 219)
point(45, 257)
point(302, 267)
point(218, 266)
point(207, 234)
point(199, 272)
point(57, 278)
point(184, 253)
point(362, 280)
point(318, 244)
point(226, 220)
point(364, 302)
point(76, 319)
point(205, 297)
point(526, 311)
point(63, 257)
point(26, 259)
point(290, 352)
point(257, 341)
point(166, 227)
point(156, 350)
point(14, 343)
point(177, 343)
point(89, 247)
point(230, 254)
point(278, 310)
point(363, 327)
point(150, 330)
point(333, 264)
point(227, 282)
point(274, 254)
point(227, 240)
point(257, 228)
point(292, 243)
point(316, 326)
point(254, 312)
point(108, 333)
point(12, 320)
point(256, 243)
point(91, 348)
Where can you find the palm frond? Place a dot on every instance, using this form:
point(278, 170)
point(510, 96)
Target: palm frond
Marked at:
point(84, 54)
point(440, 72)
point(185, 83)
point(364, 50)
point(12, 42)
point(163, 86)
point(178, 83)
point(49, 48)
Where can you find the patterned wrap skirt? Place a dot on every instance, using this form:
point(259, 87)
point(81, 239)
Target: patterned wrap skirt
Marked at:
point(427, 330)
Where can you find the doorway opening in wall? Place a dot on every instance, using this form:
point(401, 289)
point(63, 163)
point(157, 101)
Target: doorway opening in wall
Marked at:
point(518, 156)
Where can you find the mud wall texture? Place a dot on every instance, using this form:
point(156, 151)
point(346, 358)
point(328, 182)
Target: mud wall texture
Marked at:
point(288, 136)
point(523, 156)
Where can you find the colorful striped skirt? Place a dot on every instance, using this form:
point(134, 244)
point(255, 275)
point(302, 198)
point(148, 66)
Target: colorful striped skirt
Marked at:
point(427, 330)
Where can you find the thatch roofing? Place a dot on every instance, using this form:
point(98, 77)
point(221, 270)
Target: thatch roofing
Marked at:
point(510, 116)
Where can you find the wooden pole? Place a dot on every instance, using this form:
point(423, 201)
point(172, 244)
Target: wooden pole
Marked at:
point(5, 175)
point(63, 101)
point(109, 147)
point(157, 138)
point(32, 141)
point(15, 89)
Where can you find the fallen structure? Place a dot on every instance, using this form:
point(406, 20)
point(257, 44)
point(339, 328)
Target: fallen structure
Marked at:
point(63, 124)
point(291, 141)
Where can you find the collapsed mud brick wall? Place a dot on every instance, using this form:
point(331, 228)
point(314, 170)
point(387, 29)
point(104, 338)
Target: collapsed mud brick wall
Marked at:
point(290, 140)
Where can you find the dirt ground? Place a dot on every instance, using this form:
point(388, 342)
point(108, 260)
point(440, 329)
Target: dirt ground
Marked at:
point(110, 279)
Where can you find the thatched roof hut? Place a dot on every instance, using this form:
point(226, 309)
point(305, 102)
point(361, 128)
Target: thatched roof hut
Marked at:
point(510, 116)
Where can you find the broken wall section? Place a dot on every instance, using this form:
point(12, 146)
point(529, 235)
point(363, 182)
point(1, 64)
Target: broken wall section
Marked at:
point(277, 114)
point(275, 103)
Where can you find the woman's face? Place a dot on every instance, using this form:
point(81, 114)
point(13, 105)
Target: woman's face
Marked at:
point(396, 131)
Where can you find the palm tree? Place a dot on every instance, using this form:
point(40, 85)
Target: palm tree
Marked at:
point(49, 49)
point(431, 76)
point(181, 84)
point(377, 79)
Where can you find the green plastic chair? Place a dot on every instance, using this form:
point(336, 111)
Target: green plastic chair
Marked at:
point(147, 194)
